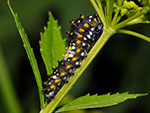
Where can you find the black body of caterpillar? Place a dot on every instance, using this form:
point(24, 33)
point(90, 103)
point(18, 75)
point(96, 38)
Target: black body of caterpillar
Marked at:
point(83, 31)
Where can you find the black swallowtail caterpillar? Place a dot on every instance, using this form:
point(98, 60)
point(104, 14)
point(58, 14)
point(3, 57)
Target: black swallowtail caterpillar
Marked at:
point(83, 31)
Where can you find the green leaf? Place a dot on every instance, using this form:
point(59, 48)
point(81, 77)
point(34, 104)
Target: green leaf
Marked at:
point(30, 55)
point(52, 45)
point(96, 101)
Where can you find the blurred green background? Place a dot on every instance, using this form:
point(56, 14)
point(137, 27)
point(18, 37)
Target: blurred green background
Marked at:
point(122, 65)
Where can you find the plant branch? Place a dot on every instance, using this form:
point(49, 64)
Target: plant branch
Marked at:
point(99, 10)
point(123, 23)
point(115, 18)
point(109, 6)
point(124, 31)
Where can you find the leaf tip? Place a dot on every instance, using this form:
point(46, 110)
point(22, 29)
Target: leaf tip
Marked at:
point(41, 33)
point(117, 93)
point(96, 94)
point(146, 93)
point(44, 27)
point(8, 2)
point(88, 94)
point(49, 12)
point(108, 94)
point(59, 27)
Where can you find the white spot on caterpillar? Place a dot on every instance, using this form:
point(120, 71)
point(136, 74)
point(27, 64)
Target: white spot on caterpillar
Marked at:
point(54, 77)
point(51, 94)
point(77, 63)
point(92, 29)
point(85, 38)
point(82, 54)
point(89, 36)
point(90, 33)
point(71, 55)
point(83, 44)
point(90, 16)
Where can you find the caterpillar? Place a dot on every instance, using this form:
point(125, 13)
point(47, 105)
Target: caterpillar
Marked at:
point(83, 31)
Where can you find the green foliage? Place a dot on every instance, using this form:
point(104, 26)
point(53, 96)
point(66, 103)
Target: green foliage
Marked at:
point(52, 45)
point(31, 56)
point(129, 8)
point(95, 101)
point(144, 2)
point(52, 48)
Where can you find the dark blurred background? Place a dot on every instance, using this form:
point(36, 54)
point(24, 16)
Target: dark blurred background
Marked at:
point(123, 65)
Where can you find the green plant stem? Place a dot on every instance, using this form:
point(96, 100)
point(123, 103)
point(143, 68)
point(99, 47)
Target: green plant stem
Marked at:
point(109, 6)
point(31, 56)
point(99, 10)
point(133, 34)
point(63, 91)
point(9, 96)
point(124, 23)
point(99, 3)
point(114, 21)
point(118, 19)
point(138, 21)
